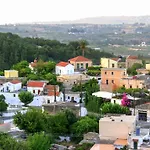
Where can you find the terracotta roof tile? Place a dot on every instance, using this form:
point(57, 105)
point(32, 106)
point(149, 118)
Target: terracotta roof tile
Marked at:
point(35, 84)
point(15, 81)
point(102, 147)
point(132, 57)
point(62, 64)
point(79, 59)
point(115, 59)
point(52, 93)
point(51, 87)
point(121, 142)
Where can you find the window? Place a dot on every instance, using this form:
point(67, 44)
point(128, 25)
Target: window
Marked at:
point(105, 72)
point(77, 66)
point(14, 95)
point(112, 73)
point(113, 65)
point(131, 86)
point(106, 81)
point(124, 86)
point(114, 101)
point(33, 91)
point(48, 101)
point(81, 65)
point(68, 97)
point(112, 81)
point(87, 65)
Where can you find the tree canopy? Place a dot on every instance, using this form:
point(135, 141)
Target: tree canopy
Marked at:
point(26, 97)
point(14, 49)
point(3, 104)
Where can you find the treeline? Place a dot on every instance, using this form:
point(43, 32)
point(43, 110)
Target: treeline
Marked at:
point(14, 49)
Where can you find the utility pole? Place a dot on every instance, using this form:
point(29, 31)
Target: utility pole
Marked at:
point(80, 93)
point(54, 93)
point(64, 95)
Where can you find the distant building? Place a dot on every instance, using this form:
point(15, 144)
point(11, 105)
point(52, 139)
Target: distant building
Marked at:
point(36, 87)
point(80, 62)
point(131, 60)
point(116, 127)
point(111, 78)
point(12, 86)
point(33, 64)
point(64, 68)
point(148, 67)
point(11, 74)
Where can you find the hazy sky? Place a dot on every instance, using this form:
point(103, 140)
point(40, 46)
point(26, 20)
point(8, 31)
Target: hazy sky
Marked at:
point(21, 11)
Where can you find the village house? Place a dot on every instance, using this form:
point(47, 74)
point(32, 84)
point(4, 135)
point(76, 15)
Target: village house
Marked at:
point(11, 74)
point(131, 60)
point(33, 64)
point(111, 78)
point(142, 71)
point(11, 86)
point(36, 87)
point(80, 62)
point(64, 68)
point(52, 97)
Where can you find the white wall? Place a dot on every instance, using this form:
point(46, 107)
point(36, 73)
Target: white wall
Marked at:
point(76, 97)
point(31, 89)
point(51, 98)
point(67, 70)
point(9, 87)
point(115, 100)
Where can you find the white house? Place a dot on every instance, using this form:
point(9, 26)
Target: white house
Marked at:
point(36, 87)
point(72, 96)
point(64, 68)
point(12, 86)
point(50, 97)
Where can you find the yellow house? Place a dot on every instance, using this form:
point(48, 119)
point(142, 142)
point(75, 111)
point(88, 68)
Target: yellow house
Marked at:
point(109, 62)
point(147, 66)
point(11, 74)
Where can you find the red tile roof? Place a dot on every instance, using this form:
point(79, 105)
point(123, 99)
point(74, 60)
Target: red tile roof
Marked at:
point(132, 57)
point(115, 59)
point(35, 84)
point(51, 87)
point(62, 64)
point(15, 81)
point(51, 93)
point(79, 59)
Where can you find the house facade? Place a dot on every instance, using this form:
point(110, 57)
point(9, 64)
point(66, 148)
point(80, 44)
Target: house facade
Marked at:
point(64, 68)
point(123, 123)
point(80, 62)
point(12, 86)
point(11, 74)
point(111, 78)
point(109, 62)
point(131, 60)
point(52, 97)
point(36, 87)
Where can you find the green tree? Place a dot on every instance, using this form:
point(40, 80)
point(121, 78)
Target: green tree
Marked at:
point(23, 68)
point(3, 104)
point(39, 141)
point(83, 126)
point(8, 143)
point(132, 70)
point(83, 45)
point(114, 108)
point(26, 97)
point(32, 121)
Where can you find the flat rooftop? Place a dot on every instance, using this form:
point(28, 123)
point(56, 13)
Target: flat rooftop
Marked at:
point(119, 69)
point(124, 118)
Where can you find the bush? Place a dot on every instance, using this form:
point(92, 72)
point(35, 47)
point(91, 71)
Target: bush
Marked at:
point(114, 108)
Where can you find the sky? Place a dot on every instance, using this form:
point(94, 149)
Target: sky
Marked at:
point(28, 11)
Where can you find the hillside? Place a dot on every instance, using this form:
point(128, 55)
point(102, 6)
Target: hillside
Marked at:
point(14, 49)
point(110, 20)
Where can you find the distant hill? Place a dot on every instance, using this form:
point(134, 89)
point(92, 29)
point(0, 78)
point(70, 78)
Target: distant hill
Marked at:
point(110, 20)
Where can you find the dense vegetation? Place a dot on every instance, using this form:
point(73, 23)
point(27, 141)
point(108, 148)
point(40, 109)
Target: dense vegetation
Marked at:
point(14, 49)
